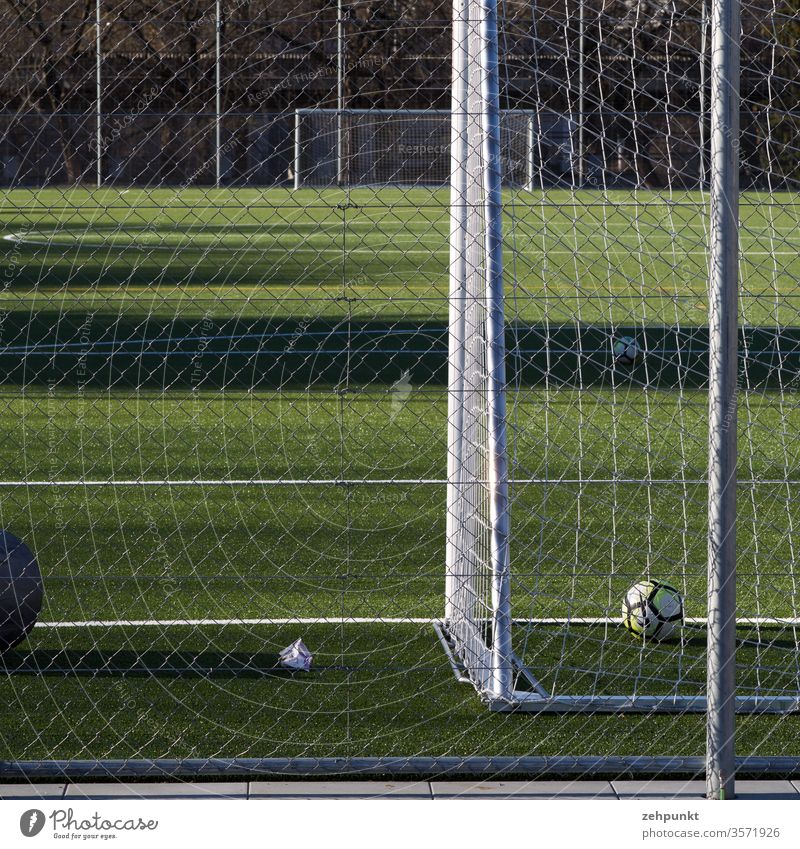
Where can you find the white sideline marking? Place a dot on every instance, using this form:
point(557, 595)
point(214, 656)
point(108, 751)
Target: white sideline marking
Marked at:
point(367, 620)
point(614, 249)
point(385, 482)
point(296, 620)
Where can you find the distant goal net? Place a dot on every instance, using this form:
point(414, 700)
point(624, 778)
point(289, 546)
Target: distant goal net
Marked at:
point(411, 147)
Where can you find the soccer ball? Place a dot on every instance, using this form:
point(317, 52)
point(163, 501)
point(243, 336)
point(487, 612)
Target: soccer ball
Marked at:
point(21, 592)
point(652, 609)
point(626, 351)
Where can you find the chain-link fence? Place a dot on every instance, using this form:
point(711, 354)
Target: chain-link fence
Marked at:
point(224, 343)
point(206, 93)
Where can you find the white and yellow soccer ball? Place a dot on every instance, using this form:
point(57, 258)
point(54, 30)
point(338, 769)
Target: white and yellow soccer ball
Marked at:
point(626, 351)
point(652, 610)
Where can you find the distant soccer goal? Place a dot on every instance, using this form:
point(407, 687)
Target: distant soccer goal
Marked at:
point(411, 147)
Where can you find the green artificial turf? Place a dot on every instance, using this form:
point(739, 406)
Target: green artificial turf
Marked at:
point(253, 354)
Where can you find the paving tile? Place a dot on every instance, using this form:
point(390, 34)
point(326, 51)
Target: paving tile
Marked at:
point(159, 790)
point(31, 791)
point(340, 790)
point(522, 790)
point(767, 789)
point(660, 789)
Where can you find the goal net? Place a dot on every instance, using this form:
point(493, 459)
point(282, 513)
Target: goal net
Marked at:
point(411, 147)
point(426, 388)
point(610, 314)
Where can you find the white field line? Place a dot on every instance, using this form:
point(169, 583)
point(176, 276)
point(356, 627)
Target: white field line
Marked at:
point(295, 620)
point(365, 620)
point(383, 482)
point(368, 224)
point(612, 250)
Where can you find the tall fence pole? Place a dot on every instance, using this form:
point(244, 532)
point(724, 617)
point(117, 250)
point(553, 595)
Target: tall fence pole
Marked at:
point(218, 94)
point(340, 71)
point(701, 124)
point(458, 229)
point(581, 88)
point(484, 325)
point(477, 555)
point(502, 683)
point(722, 400)
point(98, 94)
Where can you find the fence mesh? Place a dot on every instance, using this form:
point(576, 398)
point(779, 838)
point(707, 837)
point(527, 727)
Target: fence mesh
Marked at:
point(223, 342)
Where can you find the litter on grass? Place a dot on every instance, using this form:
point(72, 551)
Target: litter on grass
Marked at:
point(296, 656)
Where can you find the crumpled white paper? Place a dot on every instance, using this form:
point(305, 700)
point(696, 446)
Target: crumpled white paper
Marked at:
point(296, 656)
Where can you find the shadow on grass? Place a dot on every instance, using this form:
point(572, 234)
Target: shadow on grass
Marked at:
point(109, 350)
point(96, 663)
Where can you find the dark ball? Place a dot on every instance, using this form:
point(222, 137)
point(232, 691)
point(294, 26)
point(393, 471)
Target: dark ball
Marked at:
point(20, 591)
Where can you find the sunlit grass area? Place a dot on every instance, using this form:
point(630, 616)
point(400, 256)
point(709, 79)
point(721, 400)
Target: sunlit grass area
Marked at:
point(227, 405)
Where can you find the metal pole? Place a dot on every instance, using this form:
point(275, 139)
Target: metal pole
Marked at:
point(218, 93)
point(458, 224)
point(340, 70)
point(297, 148)
point(581, 61)
point(98, 94)
point(531, 157)
point(477, 461)
point(487, 63)
point(723, 288)
point(530, 163)
point(702, 122)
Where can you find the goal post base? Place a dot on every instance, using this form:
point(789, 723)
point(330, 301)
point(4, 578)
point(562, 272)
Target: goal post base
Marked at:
point(525, 702)
point(538, 700)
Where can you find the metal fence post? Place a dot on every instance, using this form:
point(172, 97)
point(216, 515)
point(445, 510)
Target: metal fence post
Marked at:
point(487, 60)
point(340, 98)
point(218, 93)
point(581, 91)
point(458, 225)
point(722, 400)
point(98, 94)
point(701, 124)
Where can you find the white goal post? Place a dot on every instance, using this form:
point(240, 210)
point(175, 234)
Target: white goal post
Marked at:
point(477, 591)
point(479, 624)
point(411, 147)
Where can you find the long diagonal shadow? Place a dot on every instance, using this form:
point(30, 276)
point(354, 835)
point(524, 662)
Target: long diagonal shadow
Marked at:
point(112, 350)
point(99, 663)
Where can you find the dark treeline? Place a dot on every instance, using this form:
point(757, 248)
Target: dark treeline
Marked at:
point(639, 57)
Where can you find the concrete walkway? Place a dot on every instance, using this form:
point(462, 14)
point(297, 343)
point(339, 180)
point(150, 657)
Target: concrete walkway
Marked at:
point(768, 789)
